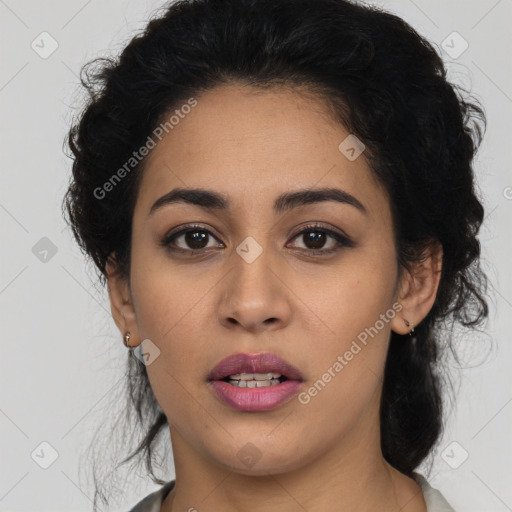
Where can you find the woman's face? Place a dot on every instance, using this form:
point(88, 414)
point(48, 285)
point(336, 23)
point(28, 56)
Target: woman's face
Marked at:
point(253, 277)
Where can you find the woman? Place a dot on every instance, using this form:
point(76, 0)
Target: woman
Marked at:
point(280, 197)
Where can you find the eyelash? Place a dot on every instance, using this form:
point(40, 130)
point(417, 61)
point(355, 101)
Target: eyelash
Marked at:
point(342, 240)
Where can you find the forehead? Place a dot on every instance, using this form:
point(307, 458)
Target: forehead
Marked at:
point(253, 145)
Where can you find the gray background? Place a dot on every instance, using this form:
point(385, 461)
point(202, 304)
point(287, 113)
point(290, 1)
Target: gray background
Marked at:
point(62, 356)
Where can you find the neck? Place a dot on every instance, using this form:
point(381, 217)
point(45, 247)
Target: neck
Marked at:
point(351, 476)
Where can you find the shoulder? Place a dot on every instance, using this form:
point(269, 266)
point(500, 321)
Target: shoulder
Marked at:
point(152, 502)
point(433, 498)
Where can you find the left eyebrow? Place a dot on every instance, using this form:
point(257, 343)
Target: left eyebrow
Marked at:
point(299, 198)
point(208, 199)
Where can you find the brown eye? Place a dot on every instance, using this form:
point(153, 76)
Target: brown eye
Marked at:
point(196, 239)
point(314, 239)
point(193, 238)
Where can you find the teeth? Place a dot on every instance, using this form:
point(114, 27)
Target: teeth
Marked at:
point(255, 376)
point(255, 383)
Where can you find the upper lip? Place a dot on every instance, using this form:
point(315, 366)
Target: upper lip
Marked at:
point(254, 363)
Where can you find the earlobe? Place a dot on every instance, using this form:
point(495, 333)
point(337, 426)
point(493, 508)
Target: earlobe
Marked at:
point(418, 289)
point(121, 304)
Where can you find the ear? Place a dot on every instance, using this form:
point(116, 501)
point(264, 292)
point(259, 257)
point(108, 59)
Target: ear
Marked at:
point(418, 289)
point(121, 304)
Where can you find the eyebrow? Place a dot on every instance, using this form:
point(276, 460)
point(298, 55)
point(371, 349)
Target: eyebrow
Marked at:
point(208, 199)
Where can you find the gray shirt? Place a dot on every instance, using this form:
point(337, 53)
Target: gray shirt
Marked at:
point(433, 498)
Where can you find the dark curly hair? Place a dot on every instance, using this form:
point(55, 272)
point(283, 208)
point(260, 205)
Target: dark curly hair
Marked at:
point(382, 81)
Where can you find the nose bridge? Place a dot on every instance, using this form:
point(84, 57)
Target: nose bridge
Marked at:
point(254, 293)
point(251, 273)
point(253, 251)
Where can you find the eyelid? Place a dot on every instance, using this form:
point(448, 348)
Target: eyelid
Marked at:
point(310, 226)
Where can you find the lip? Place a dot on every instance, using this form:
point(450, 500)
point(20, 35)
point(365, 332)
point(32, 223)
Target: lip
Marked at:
point(254, 399)
point(256, 363)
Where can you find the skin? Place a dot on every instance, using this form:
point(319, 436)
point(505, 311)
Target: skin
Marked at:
point(252, 146)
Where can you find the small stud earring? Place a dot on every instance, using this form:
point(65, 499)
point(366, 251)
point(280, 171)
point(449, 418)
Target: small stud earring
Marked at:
point(127, 340)
point(408, 324)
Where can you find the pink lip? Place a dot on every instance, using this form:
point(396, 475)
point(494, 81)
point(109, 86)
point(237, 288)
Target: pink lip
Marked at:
point(254, 399)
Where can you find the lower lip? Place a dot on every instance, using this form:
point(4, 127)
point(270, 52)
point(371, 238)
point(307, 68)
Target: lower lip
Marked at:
point(255, 399)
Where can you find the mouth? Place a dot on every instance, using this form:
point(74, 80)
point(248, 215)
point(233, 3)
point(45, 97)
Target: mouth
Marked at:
point(254, 382)
point(245, 370)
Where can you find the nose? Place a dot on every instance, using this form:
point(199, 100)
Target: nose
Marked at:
point(256, 296)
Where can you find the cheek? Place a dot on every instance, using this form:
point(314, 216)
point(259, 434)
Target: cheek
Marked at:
point(168, 300)
point(168, 308)
point(348, 359)
point(352, 295)
point(346, 368)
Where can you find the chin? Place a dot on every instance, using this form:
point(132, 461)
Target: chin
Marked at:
point(260, 457)
point(260, 468)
